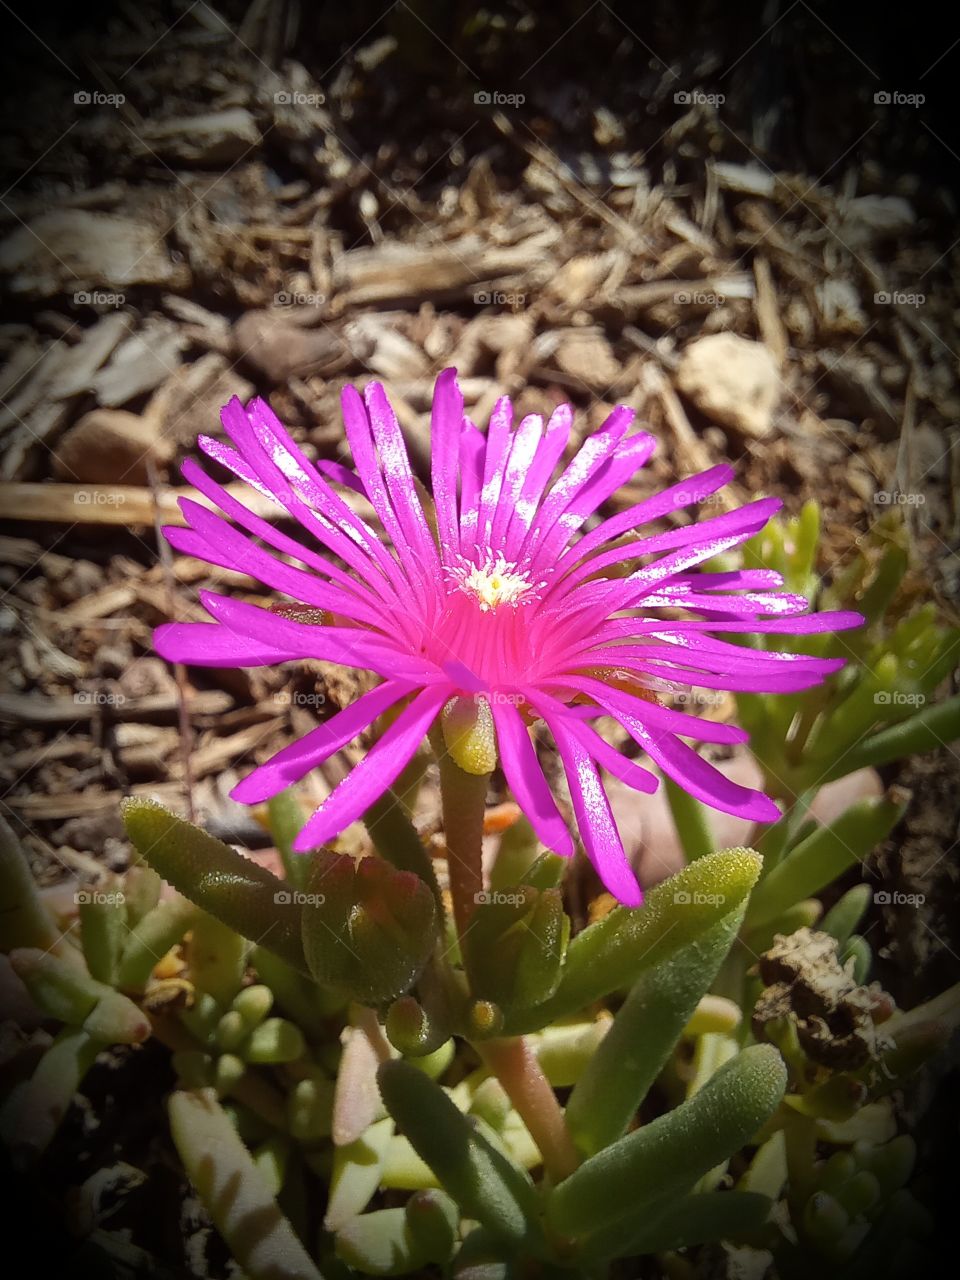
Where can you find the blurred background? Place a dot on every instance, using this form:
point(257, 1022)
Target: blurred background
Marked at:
point(741, 221)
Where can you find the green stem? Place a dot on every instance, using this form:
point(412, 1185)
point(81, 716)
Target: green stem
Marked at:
point(463, 798)
point(515, 1065)
point(512, 1061)
point(690, 820)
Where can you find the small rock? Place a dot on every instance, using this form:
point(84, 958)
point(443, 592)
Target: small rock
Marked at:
point(589, 358)
point(732, 380)
point(108, 446)
point(281, 350)
point(870, 218)
point(75, 250)
point(220, 137)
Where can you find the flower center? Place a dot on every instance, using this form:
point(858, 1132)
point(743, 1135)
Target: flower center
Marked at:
point(494, 582)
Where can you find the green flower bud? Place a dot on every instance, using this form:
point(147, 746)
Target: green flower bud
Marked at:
point(433, 1219)
point(228, 1072)
point(469, 734)
point(368, 929)
point(253, 1004)
point(274, 1041)
point(231, 1031)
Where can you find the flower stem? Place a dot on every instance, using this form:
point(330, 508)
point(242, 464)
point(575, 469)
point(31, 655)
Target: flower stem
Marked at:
point(690, 820)
point(515, 1065)
point(463, 797)
point(512, 1061)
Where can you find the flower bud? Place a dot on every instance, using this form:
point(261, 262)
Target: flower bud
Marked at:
point(369, 929)
point(469, 735)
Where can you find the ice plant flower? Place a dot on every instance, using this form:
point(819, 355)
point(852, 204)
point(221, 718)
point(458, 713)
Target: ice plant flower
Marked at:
point(492, 594)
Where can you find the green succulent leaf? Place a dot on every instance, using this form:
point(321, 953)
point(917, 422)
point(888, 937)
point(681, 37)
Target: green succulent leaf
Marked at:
point(842, 919)
point(381, 1244)
point(368, 929)
point(486, 1185)
point(514, 948)
point(33, 1111)
point(665, 1158)
point(234, 1190)
point(614, 951)
point(689, 1220)
point(357, 1173)
point(26, 921)
point(234, 889)
point(823, 856)
point(929, 729)
point(643, 1035)
point(67, 992)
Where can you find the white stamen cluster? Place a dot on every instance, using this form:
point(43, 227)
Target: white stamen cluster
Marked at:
point(493, 581)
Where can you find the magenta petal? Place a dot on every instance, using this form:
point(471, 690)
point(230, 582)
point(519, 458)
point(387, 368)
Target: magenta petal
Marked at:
point(739, 524)
point(499, 437)
point(694, 774)
point(446, 421)
point(523, 449)
point(679, 722)
point(549, 452)
point(207, 644)
point(339, 474)
point(598, 830)
point(630, 455)
point(682, 494)
point(525, 778)
point(395, 464)
point(585, 463)
point(473, 446)
point(375, 773)
point(194, 474)
point(349, 646)
point(600, 750)
point(294, 762)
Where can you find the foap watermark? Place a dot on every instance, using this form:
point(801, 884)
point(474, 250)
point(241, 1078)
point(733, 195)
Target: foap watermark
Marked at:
point(699, 697)
point(897, 498)
point(699, 497)
point(896, 98)
point(98, 298)
point(494, 98)
point(285, 298)
point(496, 898)
point(98, 498)
point(894, 898)
point(696, 98)
point(895, 698)
point(698, 298)
point(294, 98)
point(899, 298)
point(296, 898)
point(684, 898)
point(496, 298)
point(97, 898)
point(99, 698)
point(94, 98)
point(284, 698)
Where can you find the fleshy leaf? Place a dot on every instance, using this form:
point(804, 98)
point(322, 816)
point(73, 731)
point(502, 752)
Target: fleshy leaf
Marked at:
point(515, 945)
point(234, 1191)
point(614, 951)
point(643, 1035)
point(368, 929)
point(236, 890)
point(824, 855)
point(481, 1179)
point(666, 1157)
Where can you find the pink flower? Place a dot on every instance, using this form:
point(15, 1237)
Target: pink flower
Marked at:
point(504, 600)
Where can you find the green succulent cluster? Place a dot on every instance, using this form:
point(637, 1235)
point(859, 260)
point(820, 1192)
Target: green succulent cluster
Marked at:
point(366, 1089)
